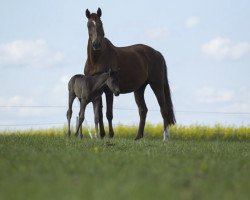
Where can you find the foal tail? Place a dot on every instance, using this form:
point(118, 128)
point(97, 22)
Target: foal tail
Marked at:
point(170, 110)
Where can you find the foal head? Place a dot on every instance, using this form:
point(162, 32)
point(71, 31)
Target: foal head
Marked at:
point(95, 28)
point(113, 82)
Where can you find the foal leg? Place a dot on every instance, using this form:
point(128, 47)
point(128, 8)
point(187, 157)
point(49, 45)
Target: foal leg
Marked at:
point(160, 95)
point(140, 101)
point(98, 105)
point(77, 122)
point(81, 117)
point(109, 113)
point(69, 112)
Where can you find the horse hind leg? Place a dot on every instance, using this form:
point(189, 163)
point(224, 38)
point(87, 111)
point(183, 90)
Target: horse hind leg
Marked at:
point(140, 101)
point(160, 95)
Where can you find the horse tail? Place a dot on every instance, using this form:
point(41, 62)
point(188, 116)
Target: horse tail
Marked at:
point(170, 110)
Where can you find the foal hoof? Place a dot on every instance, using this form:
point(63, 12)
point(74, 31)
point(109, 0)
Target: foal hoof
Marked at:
point(67, 136)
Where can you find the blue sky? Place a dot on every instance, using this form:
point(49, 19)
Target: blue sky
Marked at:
point(206, 45)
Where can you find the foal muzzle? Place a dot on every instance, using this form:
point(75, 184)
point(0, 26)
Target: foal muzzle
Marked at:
point(117, 93)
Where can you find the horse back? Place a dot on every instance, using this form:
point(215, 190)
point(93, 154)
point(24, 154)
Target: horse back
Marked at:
point(138, 65)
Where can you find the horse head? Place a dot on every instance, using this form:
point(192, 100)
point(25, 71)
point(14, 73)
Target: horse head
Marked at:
point(95, 29)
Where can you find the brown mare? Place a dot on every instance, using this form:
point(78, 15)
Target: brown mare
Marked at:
point(139, 65)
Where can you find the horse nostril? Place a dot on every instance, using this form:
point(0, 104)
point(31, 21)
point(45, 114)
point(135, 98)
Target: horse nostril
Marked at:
point(96, 45)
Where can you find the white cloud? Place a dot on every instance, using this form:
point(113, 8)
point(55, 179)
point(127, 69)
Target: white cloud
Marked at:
point(29, 53)
point(61, 88)
point(237, 100)
point(16, 100)
point(211, 95)
point(192, 22)
point(241, 102)
point(221, 48)
point(157, 33)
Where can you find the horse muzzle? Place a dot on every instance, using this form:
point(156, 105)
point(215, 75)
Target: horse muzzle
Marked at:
point(96, 45)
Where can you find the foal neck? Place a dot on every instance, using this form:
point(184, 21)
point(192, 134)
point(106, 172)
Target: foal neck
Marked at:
point(99, 81)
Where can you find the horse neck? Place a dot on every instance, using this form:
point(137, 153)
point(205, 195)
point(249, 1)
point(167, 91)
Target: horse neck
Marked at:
point(93, 56)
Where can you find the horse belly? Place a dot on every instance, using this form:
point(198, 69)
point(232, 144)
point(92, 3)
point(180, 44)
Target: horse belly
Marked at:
point(133, 74)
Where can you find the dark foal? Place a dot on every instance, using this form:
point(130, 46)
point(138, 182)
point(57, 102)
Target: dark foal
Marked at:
point(89, 89)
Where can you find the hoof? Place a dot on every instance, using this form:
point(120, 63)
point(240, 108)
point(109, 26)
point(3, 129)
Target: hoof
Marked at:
point(166, 135)
point(111, 134)
point(138, 137)
point(102, 135)
point(67, 135)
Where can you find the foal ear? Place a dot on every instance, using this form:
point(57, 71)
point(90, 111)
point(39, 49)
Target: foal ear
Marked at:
point(110, 71)
point(99, 12)
point(87, 13)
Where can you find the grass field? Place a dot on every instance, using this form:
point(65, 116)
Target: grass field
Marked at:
point(197, 163)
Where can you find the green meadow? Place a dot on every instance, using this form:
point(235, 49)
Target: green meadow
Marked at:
point(198, 162)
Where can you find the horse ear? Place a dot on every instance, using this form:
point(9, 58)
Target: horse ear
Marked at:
point(87, 13)
point(99, 12)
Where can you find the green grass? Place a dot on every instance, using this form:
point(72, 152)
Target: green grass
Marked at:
point(45, 165)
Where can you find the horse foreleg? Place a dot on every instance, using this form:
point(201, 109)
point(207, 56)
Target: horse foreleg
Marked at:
point(109, 113)
point(140, 101)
